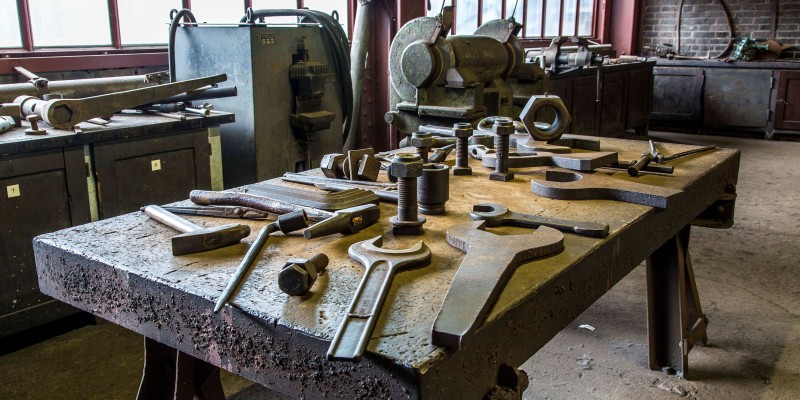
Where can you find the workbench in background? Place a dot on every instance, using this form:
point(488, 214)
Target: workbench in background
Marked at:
point(131, 278)
point(64, 179)
point(762, 96)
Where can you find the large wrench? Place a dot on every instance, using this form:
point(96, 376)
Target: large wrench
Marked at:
point(381, 264)
point(490, 261)
point(496, 214)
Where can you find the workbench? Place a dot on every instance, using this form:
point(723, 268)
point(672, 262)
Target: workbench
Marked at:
point(70, 177)
point(122, 270)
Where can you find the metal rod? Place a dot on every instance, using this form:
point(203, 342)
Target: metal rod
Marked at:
point(247, 262)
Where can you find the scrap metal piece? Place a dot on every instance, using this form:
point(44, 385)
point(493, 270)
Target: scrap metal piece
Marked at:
point(359, 321)
point(497, 214)
point(489, 263)
point(568, 185)
point(314, 199)
point(208, 198)
point(574, 161)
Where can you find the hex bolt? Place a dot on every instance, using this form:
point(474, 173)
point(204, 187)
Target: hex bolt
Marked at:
point(407, 167)
point(462, 131)
point(298, 275)
point(423, 142)
point(503, 128)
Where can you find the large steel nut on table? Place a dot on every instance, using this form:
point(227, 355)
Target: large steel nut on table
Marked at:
point(535, 105)
point(489, 263)
point(359, 321)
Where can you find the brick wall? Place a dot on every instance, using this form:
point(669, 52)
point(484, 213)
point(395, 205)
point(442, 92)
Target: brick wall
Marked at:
point(704, 30)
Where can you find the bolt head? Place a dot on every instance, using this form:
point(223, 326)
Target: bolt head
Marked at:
point(329, 165)
point(501, 176)
point(419, 139)
point(462, 170)
point(406, 165)
point(368, 168)
point(462, 129)
point(61, 114)
point(295, 279)
point(503, 126)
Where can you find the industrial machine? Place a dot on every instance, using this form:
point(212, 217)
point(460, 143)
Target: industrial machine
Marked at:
point(440, 79)
point(291, 103)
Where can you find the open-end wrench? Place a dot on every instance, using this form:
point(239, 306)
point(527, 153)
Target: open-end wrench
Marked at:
point(381, 264)
point(497, 214)
point(490, 261)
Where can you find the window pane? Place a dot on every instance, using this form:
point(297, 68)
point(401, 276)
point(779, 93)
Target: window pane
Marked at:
point(553, 17)
point(510, 9)
point(466, 17)
point(62, 23)
point(568, 21)
point(276, 4)
point(436, 6)
point(328, 6)
point(9, 24)
point(218, 12)
point(491, 10)
point(586, 17)
point(533, 19)
point(145, 21)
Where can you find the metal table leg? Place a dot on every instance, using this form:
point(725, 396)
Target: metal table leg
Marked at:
point(675, 321)
point(171, 374)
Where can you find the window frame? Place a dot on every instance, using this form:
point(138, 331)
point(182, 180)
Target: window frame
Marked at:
point(49, 59)
point(540, 40)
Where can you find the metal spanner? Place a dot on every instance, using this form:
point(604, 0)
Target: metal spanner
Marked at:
point(496, 214)
point(381, 264)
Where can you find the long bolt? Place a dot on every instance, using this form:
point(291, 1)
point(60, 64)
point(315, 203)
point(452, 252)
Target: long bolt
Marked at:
point(503, 128)
point(407, 167)
point(462, 131)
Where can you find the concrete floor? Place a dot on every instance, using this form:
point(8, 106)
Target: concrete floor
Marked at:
point(747, 277)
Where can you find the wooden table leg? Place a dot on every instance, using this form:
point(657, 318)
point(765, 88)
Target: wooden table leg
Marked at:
point(172, 375)
point(675, 321)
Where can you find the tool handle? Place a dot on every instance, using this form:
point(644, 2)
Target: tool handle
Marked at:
point(634, 169)
point(204, 197)
point(169, 219)
point(248, 260)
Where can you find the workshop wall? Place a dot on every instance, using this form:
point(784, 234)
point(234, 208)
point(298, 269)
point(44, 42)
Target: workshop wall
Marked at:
point(704, 30)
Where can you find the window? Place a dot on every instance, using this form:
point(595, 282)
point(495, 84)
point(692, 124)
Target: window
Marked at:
point(107, 25)
point(540, 18)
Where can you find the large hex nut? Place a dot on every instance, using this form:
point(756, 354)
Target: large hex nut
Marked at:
point(331, 165)
point(555, 129)
point(406, 165)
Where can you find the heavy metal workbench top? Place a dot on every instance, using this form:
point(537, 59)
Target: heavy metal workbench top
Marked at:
point(122, 270)
point(121, 126)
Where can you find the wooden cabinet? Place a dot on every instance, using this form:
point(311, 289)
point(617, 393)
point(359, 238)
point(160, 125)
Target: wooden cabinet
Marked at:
point(787, 101)
point(621, 102)
point(40, 192)
point(753, 96)
point(55, 181)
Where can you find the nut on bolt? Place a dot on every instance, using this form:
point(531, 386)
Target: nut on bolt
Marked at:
point(462, 131)
point(406, 167)
point(503, 128)
point(298, 275)
point(423, 142)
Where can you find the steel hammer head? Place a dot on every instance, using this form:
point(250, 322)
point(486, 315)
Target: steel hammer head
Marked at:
point(208, 238)
point(349, 220)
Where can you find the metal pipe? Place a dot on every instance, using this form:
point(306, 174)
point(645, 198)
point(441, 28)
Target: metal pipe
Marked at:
point(358, 58)
point(76, 88)
point(173, 28)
